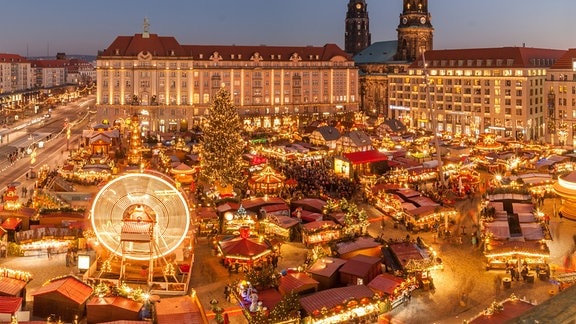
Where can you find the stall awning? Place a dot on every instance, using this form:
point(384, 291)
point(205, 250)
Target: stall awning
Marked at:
point(365, 157)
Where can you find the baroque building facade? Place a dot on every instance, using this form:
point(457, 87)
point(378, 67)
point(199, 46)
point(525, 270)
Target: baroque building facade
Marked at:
point(170, 85)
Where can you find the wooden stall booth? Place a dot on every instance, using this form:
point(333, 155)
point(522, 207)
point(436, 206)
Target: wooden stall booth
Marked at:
point(320, 232)
point(55, 298)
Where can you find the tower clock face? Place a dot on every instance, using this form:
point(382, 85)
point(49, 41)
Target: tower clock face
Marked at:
point(404, 20)
point(358, 6)
point(422, 20)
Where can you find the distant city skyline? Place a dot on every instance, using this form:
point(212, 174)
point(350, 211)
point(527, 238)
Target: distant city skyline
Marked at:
point(44, 28)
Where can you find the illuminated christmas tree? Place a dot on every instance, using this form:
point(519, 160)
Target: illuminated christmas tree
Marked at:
point(222, 145)
point(135, 145)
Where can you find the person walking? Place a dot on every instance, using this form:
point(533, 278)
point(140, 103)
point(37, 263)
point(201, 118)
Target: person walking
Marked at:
point(227, 292)
point(512, 273)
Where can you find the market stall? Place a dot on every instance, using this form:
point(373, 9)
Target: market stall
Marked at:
point(425, 218)
point(360, 270)
point(341, 305)
point(181, 309)
point(55, 298)
point(501, 253)
point(10, 306)
point(325, 271)
point(206, 219)
point(505, 311)
point(320, 232)
point(244, 251)
point(113, 308)
point(297, 282)
point(234, 222)
point(182, 173)
point(392, 287)
point(363, 245)
point(284, 227)
point(267, 182)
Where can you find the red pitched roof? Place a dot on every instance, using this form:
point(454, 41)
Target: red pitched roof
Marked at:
point(521, 57)
point(326, 266)
point(117, 301)
point(13, 58)
point(178, 310)
point(11, 223)
point(168, 46)
point(360, 265)
point(261, 201)
point(385, 283)
point(405, 252)
point(10, 305)
point(332, 297)
point(296, 282)
point(69, 287)
point(565, 62)
point(11, 286)
point(365, 157)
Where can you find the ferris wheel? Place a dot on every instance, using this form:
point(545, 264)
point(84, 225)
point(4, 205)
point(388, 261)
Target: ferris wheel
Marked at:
point(140, 216)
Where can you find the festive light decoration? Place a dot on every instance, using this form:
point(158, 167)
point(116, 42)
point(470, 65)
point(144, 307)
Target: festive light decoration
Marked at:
point(134, 151)
point(222, 145)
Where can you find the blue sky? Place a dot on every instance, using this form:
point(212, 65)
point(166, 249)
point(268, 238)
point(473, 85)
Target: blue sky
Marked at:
point(40, 27)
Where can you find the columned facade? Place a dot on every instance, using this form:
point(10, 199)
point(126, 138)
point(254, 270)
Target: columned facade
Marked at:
point(170, 86)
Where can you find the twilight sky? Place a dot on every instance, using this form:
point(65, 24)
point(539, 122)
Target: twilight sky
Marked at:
point(40, 27)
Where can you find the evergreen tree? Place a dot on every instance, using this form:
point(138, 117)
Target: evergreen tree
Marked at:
point(222, 144)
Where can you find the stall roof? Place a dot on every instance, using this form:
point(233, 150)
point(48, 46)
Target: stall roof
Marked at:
point(360, 265)
point(10, 305)
point(512, 309)
point(116, 301)
point(312, 204)
point(11, 223)
point(296, 282)
point(363, 157)
point(405, 252)
point(385, 283)
point(182, 309)
point(312, 226)
point(326, 266)
point(275, 208)
point(261, 201)
point(206, 213)
point(244, 248)
point(11, 286)
point(70, 287)
point(358, 244)
point(333, 297)
point(309, 216)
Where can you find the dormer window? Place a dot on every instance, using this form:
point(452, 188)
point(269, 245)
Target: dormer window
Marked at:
point(117, 52)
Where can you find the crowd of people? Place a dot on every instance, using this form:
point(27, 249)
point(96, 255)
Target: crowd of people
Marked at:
point(317, 179)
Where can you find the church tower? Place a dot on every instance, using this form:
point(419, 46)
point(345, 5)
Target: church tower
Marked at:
point(415, 30)
point(357, 36)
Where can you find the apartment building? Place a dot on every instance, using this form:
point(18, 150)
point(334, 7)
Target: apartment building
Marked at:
point(561, 100)
point(472, 91)
point(171, 85)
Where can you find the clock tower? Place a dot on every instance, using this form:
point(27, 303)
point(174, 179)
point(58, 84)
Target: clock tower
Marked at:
point(414, 31)
point(357, 36)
